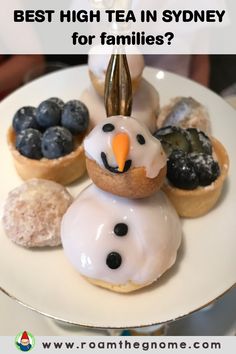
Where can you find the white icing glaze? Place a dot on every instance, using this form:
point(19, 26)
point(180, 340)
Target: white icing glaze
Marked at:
point(150, 155)
point(145, 105)
point(148, 249)
point(98, 64)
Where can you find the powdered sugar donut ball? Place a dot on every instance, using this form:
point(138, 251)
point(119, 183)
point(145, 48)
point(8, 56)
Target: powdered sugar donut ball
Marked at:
point(33, 212)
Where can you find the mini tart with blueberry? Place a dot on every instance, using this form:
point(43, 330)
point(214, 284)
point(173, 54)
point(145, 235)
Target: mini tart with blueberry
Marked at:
point(63, 170)
point(123, 158)
point(196, 170)
point(46, 142)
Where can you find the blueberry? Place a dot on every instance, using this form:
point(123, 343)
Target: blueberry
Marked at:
point(207, 169)
point(206, 142)
point(199, 141)
point(28, 143)
point(48, 114)
point(173, 138)
point(25, 118)
point(75, 117)
point(57, 142)
point(177, 154)
point(181, 172)
point(58, 101)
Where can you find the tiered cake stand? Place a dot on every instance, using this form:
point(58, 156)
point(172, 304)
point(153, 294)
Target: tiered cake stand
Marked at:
point(44, 281)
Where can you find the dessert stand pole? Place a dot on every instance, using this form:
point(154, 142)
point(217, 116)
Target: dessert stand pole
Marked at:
point(118, 87)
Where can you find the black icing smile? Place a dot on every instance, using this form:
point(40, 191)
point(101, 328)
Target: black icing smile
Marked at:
point(115, 169)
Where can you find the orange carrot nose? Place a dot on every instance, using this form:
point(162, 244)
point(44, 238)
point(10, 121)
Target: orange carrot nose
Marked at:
point(120, 146)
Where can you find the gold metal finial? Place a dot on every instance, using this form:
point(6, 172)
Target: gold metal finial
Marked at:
point(118, 87)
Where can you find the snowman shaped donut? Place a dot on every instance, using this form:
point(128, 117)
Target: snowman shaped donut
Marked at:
point(134, 233)
point(129, 243)
point(123, 158)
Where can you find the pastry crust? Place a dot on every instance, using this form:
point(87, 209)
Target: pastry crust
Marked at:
point(119, 288)
point(132, 184)
point(99, 85)
point(197, 202)
point(64, 170)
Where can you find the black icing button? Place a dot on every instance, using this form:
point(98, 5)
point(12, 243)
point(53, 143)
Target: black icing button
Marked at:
point(141, 140)
point(108, 128)
point(113, 260)
point(121, 229)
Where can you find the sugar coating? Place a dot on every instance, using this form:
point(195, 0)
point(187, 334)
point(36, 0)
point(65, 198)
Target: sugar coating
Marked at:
point(185, 112)
point(33, 211)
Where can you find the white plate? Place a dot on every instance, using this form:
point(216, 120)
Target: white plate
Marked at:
point(231, 100)
point(206, 266)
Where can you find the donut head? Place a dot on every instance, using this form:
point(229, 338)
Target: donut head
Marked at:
point(124, 158)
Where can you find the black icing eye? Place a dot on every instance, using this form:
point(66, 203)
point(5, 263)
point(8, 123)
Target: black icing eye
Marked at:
point(108, 128)
point(113, 260)
point(141, 140)
point(121, 229)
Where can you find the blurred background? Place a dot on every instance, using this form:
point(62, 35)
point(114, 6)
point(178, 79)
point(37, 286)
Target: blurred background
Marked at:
point(218, 72)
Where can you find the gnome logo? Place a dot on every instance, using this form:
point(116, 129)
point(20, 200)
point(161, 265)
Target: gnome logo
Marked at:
point(24, 341)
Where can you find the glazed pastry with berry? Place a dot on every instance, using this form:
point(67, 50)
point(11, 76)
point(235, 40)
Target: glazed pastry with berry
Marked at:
point(122, 157)
point(184, 112)
point(45, 142)
point(196, 169)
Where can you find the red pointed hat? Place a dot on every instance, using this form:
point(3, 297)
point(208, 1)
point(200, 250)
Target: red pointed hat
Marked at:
point(24, 335)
